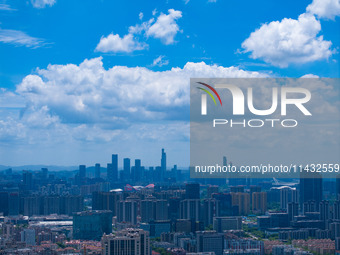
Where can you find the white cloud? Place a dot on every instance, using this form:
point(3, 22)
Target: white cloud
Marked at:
point(289, 41)
point(69, 108)
point(327, 9)
point(115, 43)
point(160, 61)
point(19, 38)
point(90, 94)
point(165, 28)
point(42, 3)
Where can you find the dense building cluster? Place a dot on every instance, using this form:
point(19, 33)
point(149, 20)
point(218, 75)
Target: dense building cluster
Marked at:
point(142, 210)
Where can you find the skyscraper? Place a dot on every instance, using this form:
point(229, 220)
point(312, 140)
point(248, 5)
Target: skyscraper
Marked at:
point(311, 188)
point(127, 168)
point(163, 165)
point(137, 170)
point(115, 167)
point(97, 170)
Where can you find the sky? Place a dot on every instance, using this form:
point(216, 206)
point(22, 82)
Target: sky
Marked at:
point(80, 80)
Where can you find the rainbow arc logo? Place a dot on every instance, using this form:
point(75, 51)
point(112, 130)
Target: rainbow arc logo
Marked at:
point(204, 97)
point(209, 93)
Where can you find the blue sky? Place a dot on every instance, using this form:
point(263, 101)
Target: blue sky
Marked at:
point(84, 79)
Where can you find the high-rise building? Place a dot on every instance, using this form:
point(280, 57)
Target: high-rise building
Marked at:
point(115, 167)
point(324, 210)
point(253, 188)
point(210, 210)
point(288, 195)
point(292, 210)
point(106, 201)
point(147, 210)
point(127, 211)
point(242, 200)
point(82, 172)
point(136, 172)
point(259, 202)
point(226, 208)
point(210, 241)
point(163, 165)
point(126, 242)
point(161, 209)
point(192, 191)
point(336, 210)
point(311, 188)
point(27, 178)
point(174, 208)
point(97, 170)
point(190, 209)
point(127, 169)
point(91, 225)
point(13, 204)
point(71, 204)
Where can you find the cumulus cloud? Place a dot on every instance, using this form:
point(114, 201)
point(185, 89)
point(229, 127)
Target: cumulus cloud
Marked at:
point(42, 3)
point(90, 94)
point(19, 38)
point(115, 43)
point(327, 9)
point(108, 109)
point(160, 61)
point(165, 28)
point(289, 41)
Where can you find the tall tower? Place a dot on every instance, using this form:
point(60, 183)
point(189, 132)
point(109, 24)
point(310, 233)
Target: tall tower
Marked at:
point(127, 168)
point(115, 167)
point(137, 170)
point(163, 165)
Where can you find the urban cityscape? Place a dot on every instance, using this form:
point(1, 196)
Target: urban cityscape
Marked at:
point(135, 209)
